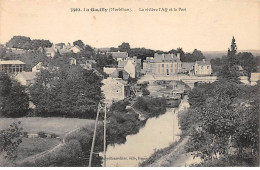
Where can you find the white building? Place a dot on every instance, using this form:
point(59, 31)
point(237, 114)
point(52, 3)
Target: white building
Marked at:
point(162, 64)
point(132, 66)
point(254, 78)
point(11, 66)
point(202, 68)
point(26, 78)
point(75, 49)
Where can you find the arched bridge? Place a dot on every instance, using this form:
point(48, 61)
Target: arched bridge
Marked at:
point(191, 81)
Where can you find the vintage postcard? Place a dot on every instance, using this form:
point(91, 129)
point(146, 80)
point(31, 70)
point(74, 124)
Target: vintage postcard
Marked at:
point(137, 83)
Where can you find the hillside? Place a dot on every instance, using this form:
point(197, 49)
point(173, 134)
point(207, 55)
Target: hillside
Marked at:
point(218, 54)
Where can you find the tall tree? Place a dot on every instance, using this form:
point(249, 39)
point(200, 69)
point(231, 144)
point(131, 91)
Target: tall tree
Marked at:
point(228, 71)
point(79, 43)
point(232, 53)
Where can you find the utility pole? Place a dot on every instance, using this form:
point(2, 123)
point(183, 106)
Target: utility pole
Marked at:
point(105, 128)
point(94, 137)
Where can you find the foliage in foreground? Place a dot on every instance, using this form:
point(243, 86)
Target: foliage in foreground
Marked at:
point(224, 117)
point(14, 101)
point(10, 139)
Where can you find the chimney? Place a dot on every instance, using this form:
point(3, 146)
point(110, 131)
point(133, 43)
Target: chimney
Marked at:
point(179, 55)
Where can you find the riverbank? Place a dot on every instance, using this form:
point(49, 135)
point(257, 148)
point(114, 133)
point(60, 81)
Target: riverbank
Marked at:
point(174, 155)
point(121, 123)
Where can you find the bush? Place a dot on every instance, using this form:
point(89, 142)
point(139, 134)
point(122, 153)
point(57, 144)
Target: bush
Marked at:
point(151, 106)
point(145, 92)
point(53, 135)
point(42, 134)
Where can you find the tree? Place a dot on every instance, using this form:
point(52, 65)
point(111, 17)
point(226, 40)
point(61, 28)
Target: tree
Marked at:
point(69, 91)
point(2, 52)
point(36, 44)
point(79, 43)
point(26, 46)
point(228, 71)
point(14, 101)
point(17, 41)
point(223, 122)
point(10, 139)
point(247, 61)
point(197, 55)
point(232, 53)
point(125, 47)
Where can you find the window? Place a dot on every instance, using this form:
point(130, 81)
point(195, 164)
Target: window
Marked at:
point(162, 65)
point(207, 67)
point(117, 91)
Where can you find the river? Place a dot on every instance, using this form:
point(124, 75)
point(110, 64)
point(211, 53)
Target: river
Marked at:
point(157, 133)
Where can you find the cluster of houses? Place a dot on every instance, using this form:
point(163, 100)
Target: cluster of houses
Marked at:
point(62, 49)
point(115, 86)
point(170, 64)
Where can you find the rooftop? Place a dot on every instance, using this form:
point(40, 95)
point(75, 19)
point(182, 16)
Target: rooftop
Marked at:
point(11, 62)
point(187, 65)
point(202, 63)
point(159, 58)
point(27, 75)
point(118, 54)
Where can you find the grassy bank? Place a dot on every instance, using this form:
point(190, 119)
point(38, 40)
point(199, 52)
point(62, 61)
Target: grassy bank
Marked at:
point(121, 122)
point(160, 153)
point(59, 126)
point(34, 146)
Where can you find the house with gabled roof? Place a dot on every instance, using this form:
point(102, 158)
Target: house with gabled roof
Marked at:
point(202, 68)
point(115, 89)
point(118, 56)
point(26, 78)
point(187, 68)
point(51, 51)
point(75, 49)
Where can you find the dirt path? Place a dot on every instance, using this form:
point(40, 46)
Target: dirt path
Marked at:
point(57, 147)
point(177, 157)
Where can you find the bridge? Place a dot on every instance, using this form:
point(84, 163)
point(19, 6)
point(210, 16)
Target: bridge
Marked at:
point(191, 81)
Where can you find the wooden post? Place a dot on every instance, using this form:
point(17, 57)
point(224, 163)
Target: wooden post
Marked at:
point(94, 137)
point(105, 124)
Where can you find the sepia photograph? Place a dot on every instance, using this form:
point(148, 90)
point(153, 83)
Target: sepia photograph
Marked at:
point(129, 83)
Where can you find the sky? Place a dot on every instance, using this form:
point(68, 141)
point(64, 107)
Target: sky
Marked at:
point(207, 25)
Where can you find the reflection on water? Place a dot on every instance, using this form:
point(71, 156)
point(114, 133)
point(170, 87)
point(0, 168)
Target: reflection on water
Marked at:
point(158, 133)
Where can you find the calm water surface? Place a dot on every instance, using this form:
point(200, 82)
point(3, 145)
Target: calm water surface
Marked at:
point(157, 133)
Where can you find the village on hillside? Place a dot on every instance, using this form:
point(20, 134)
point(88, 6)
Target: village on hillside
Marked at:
point(76, 105)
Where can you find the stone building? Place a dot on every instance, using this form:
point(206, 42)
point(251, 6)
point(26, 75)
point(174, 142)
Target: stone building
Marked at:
point(163, 64)
point(202, 68)
point(115, 89)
